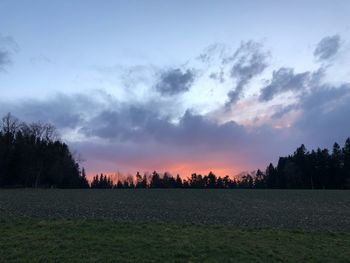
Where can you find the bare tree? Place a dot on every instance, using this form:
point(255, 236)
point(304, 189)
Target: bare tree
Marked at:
point(10, 124)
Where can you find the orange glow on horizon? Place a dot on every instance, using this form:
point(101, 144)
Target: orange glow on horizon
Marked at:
point(185, 170)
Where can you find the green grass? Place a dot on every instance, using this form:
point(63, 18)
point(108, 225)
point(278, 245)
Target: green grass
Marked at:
point(29, 240)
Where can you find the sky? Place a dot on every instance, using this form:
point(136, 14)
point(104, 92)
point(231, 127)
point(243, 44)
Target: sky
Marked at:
point(179, 86)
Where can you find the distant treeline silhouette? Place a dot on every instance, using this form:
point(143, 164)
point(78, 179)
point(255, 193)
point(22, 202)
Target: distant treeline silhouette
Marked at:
point(303, 170)
point(32, 156)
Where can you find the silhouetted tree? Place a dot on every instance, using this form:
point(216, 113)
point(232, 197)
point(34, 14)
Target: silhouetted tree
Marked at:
point(119, 185)
point(271, 177)
point(316, 169)
point(336, 168)
point(178, 182)
point(211, 183)
point(155, 180)
point(246, 182)
point(32, 156)
point(260, 180)
point(139, 181)
point(345, 176)
point(102, 182)
point(196, 181)
point(84, 182)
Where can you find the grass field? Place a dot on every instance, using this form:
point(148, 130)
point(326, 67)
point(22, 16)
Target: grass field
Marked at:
point(174, 225)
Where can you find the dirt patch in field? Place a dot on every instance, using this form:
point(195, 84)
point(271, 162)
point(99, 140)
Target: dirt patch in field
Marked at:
point(295, 209)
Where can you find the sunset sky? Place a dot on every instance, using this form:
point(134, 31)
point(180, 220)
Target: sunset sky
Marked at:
point(180, 86)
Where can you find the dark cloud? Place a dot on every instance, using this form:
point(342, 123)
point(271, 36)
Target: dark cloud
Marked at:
point(127, 124)
point(249, 61)
point(7, 47)
point(175, 81)
point(327, 47)
point(137, 124)
point(323, 108)
point(284, 80)
point(61, 110)
point(324, 116)
point(218, 76)
point(140, 137)
point(282, 111)
point(5, 59)
point(9, 42)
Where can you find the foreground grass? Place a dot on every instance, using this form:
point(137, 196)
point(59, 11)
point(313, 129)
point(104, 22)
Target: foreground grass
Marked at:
point(33, 240)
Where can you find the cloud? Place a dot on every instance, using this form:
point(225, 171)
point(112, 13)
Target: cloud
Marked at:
point(324, 115)
point(140, 138)
point(327, 48)
point(114, 135)
point(64, 111)
point(218, 76)
point(282, 111)
point(140, 123)
point(175, 81)
point(9, 42)
point(7, 46)
point(41, 60)
point(283, 80)
point(5, 59)
point(248, 61)
point(127, 136)
point(213, 52)
point(126, 124)
point(322, 107)
point(150, 132)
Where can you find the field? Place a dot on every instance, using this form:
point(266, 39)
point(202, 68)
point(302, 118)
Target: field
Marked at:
point(174, 225)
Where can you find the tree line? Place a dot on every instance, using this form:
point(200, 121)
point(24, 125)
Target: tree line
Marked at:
point(31, 155)
point(156, 180)
point(318, 169)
